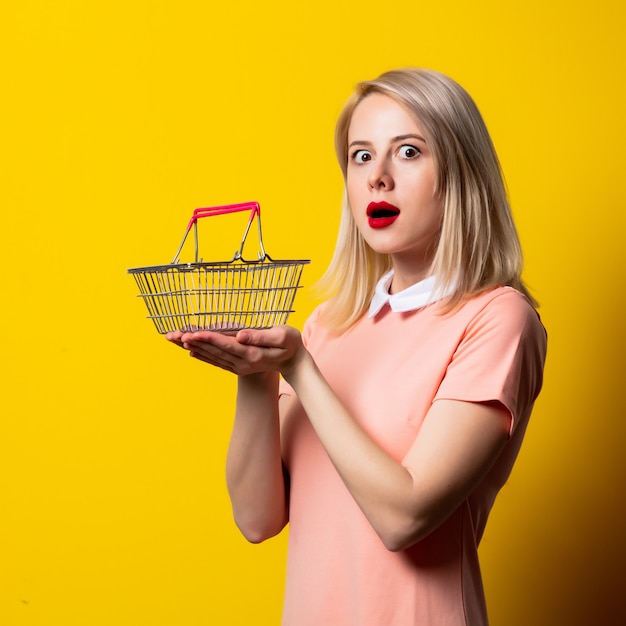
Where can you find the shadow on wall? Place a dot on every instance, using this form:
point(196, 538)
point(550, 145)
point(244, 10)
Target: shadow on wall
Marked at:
point(581, 537)
point(558, 530)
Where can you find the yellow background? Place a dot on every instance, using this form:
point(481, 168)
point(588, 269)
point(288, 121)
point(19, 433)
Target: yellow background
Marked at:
point(118, 119)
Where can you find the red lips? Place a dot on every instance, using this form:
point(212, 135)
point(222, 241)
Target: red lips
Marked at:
point(381, 214)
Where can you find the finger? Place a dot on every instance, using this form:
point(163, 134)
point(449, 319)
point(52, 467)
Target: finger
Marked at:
point(209, 337)
point(215, 344)
point(235, 365)
point(216, 362)
point(174, 336)
point(176, 342)
point(274, 337)
point(230, 358)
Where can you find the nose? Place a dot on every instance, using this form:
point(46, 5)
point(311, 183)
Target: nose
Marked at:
point(379, 176)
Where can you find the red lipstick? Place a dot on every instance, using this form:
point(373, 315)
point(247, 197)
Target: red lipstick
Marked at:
point(381, 214)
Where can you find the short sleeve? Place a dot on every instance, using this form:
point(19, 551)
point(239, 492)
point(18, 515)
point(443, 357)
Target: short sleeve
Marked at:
point(500, 357)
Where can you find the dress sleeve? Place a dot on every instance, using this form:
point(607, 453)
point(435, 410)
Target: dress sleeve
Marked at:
point(500, 357)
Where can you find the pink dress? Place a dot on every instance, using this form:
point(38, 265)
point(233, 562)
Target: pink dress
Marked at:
point(387, 370)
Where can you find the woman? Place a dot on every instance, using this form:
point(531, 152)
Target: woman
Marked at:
point(404, 402)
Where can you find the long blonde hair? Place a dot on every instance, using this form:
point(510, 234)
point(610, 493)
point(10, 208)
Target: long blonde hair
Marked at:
point(478, 246)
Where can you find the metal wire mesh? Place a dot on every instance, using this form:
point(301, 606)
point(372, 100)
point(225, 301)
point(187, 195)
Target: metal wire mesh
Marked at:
point(219, 296)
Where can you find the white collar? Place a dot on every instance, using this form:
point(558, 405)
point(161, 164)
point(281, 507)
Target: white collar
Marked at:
point(412, 298)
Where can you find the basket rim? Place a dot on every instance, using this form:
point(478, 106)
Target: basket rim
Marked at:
point(234, 263)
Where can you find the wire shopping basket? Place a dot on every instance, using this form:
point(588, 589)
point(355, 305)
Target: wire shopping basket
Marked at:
point(223, 295)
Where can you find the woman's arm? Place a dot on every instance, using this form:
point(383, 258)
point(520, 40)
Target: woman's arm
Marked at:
point(254, 470)
point(255, 476)
point(404, 501)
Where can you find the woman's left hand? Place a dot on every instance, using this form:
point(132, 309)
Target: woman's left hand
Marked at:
point(246, 352)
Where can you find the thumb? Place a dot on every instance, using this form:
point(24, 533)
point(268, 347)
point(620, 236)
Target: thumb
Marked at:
point(250, 337)
point(267, 338)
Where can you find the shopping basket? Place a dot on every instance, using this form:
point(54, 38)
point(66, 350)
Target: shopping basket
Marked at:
point(224, 295)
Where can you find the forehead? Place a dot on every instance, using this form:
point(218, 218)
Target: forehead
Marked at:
point(380, 115)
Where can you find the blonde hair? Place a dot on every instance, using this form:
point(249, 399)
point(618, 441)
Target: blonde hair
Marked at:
point(478, 246)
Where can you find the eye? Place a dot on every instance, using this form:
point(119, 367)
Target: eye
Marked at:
point(361, 156)
point(409, 152)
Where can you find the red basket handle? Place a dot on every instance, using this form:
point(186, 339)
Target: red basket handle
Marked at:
point(255, 211)
point(253, 207)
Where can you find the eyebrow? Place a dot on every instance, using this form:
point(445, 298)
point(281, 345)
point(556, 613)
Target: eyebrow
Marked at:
point(395, 139)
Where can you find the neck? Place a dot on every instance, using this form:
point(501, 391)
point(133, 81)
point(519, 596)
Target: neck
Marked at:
point(405, 275)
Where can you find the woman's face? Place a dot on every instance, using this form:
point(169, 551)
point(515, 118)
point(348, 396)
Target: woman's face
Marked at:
point(391, 186)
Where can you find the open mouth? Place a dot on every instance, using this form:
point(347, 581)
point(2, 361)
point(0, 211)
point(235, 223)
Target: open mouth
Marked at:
point(381, 214)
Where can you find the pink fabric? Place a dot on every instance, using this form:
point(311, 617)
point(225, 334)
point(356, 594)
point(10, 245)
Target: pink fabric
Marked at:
point(387, 371)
